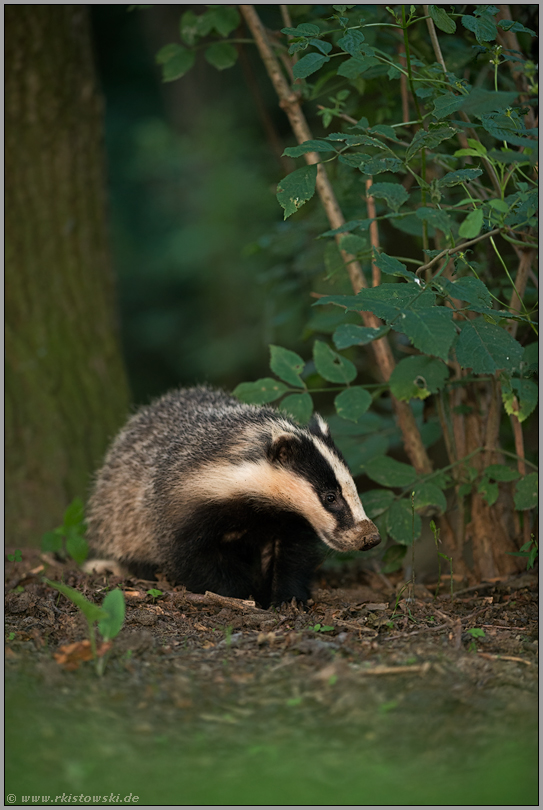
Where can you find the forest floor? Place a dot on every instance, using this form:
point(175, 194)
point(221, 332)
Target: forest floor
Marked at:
point(365, 697)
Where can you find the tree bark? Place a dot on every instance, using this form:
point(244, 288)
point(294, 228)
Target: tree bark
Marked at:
point(66, 389)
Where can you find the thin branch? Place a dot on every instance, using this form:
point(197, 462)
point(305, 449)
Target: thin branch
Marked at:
point(434, 39)
point(450, 251)
point(519, 288)
point(374, 234)
point(289, 101)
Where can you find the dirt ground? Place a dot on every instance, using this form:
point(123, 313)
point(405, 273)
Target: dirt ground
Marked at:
point(460, 671)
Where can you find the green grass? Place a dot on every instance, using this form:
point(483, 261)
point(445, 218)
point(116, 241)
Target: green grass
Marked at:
point(93, 744)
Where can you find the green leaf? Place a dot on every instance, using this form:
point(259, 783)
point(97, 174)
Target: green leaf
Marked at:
point(480, 101)
point(487, 348)
point(350, 334)
point(224, 19)
point(393, 193)
point(429, 494)
point(193, 27)
point(430, 330)
point(52, 542)
point(297, 188)
point(260, 392)
point(167, 52)
point(500, 472)
point(75, 513)
point(287, 365)
point(308, 146)
point(92, 612)
point(115, 609)
point(377, 165)
point(393, 559)
point(326, 47)
point(76, 545)
point(446, 105)
point(504, 128)
point(300, 406)
point(442, 19)
point(309, 64)
point(177, 65)
point(476, 632)
point(352, 42)
point(390, 265)
point(353, 244)
point(361, 454)
point(331, 365)
point(302, 30)
point(356, 65)
point(388, 301)
point(516, 27)
point(520, 399)
point(472, 224)
point(468, 289)
point(459, 176)
point(526, 492)
point(399, 522)
point(436, 134)
point(221, 55)
point(435, 217)
point(352, 403)
point(417, 378)
point(376, 501)
point(391, 473)
point(483, 27)
point(489, 491)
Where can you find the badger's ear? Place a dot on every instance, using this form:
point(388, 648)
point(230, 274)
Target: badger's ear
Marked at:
point(284, 448)
point(318, 427)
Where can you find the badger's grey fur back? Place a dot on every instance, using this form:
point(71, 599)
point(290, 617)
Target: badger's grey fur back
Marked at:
point(225, 497)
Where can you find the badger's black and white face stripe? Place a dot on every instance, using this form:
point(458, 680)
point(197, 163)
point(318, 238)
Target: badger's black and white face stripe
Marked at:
point(301, 472)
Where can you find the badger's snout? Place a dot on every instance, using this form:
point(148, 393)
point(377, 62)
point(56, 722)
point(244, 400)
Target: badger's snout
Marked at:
point(367, 534)
point(361, 537)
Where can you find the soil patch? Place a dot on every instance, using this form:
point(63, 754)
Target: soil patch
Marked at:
point(365, 676)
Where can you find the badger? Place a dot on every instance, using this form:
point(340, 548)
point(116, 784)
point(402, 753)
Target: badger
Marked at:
point(225, 497)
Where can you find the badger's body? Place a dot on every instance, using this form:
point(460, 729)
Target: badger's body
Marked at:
point(225, 497)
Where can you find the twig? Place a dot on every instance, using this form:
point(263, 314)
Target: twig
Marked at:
point(289, 101)
point(383, 670)
point(209, 598)
point(434, 39)
point(374, 234)
point(504, 658)
point(450, 251)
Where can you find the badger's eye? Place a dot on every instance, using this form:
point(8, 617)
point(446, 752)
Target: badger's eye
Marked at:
point(330, 497)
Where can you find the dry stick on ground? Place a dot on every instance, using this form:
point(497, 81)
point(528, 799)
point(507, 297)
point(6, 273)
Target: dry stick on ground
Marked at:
point(289, 101)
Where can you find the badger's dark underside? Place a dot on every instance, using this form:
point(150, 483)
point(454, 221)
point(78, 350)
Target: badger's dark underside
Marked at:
point(243, 551)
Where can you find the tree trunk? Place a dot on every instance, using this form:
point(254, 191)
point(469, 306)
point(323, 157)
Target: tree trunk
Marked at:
point(66, 390)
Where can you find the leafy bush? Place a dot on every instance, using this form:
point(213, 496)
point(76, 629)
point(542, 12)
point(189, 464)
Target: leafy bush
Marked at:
point(433, 154)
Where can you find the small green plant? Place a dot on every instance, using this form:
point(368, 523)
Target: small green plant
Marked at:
point(440, 555)
point(320, 628)
point(68, 540)
point(110, 616)
point(154, 593)
point(398, 597)
point(16, 556)
point(228, 635)
point(530, 550)
point(11, 636)
point(475, 632)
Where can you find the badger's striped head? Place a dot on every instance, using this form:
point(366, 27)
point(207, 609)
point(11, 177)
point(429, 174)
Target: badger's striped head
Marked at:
point(299, 470)
point(328, 498)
